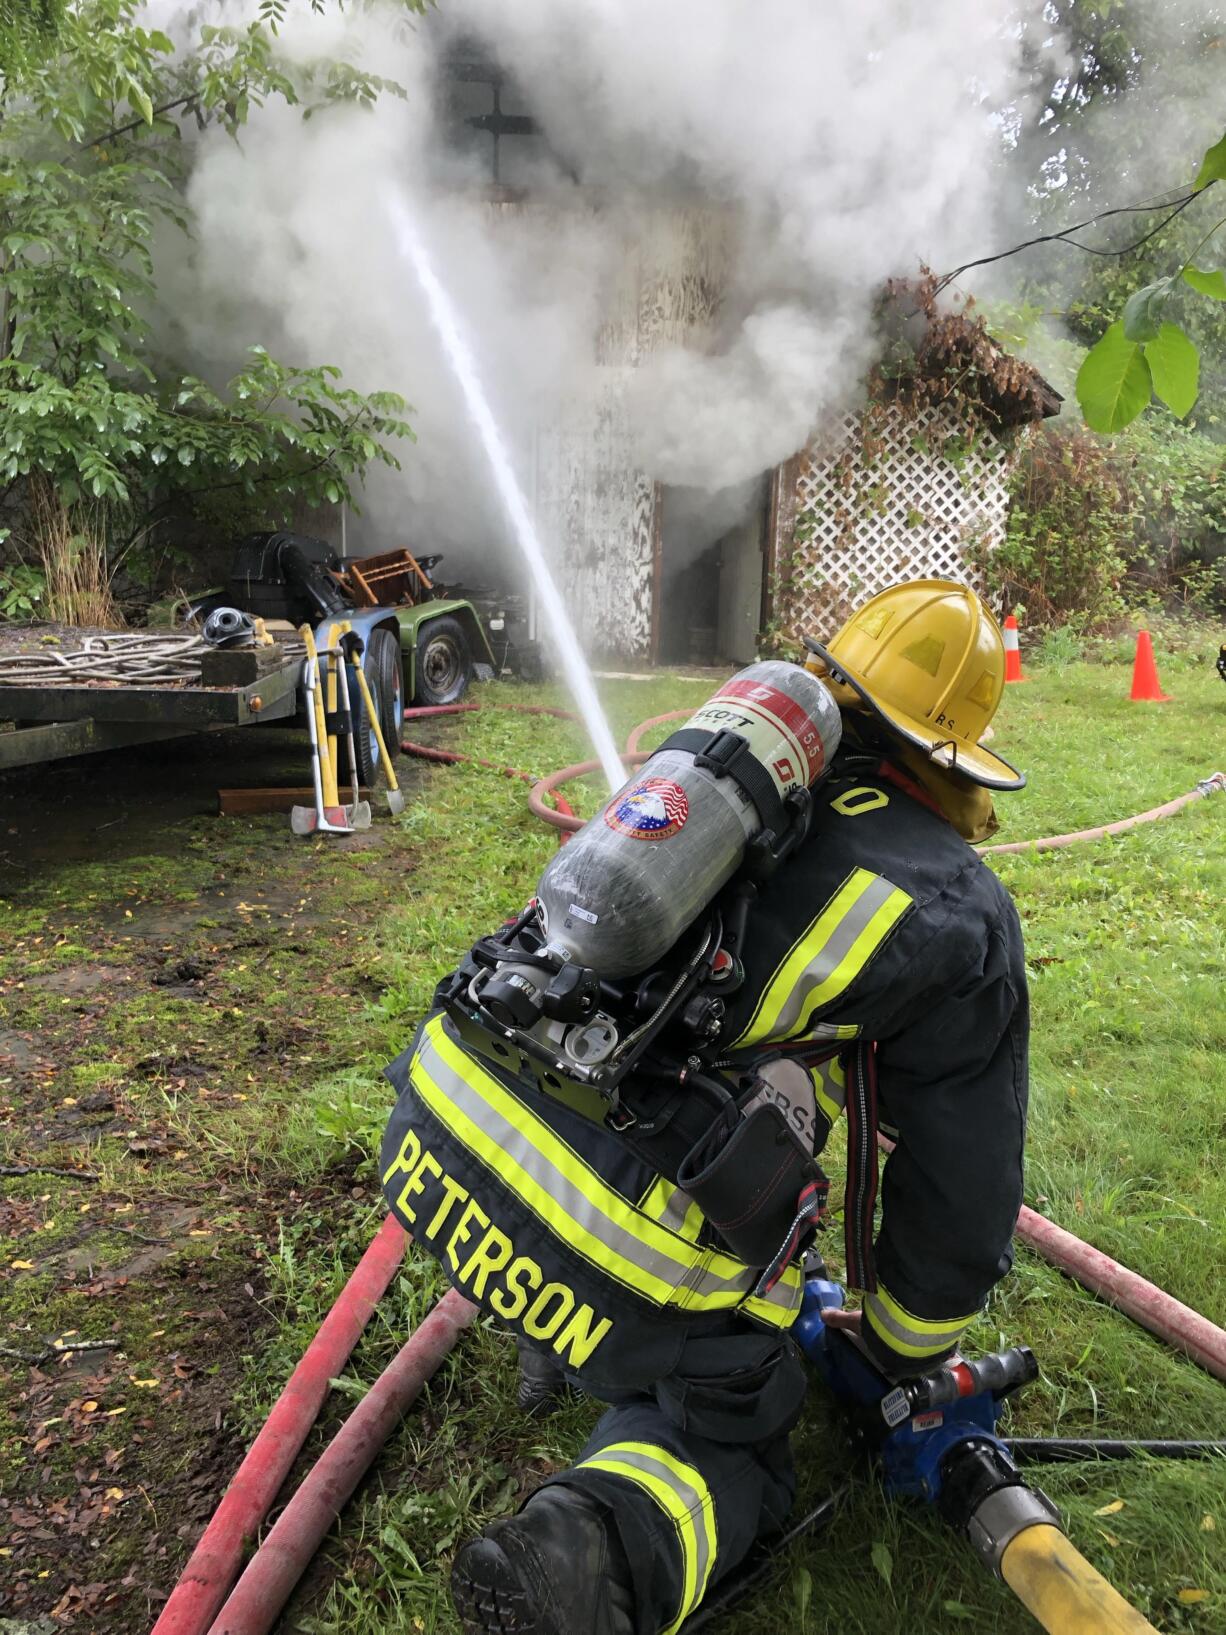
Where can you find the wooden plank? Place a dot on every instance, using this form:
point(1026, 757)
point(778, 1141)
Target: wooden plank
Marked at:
point(252, 802)
point(181, 707)
point(32, 746)
point(236, 666)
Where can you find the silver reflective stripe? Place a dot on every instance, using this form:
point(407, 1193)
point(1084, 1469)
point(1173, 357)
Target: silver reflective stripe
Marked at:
point(673, 1208)
point(680, 1491)
point(832, 953)
point(834, 1030)
point(574, 1203)
point(914, 1338)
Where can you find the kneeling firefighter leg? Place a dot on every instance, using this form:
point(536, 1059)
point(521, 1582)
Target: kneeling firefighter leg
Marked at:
point(672, 1492)
point(557, 1568)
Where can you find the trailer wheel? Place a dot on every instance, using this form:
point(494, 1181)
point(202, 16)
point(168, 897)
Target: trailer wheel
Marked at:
point(383, 677)
point(444, 663)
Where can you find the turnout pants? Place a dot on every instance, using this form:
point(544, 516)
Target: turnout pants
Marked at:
point(693, 1474)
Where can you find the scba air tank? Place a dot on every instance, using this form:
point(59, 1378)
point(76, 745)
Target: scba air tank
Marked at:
point(619, 895)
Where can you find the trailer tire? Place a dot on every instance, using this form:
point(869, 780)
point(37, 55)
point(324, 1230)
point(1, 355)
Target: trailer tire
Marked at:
point(383, 677)
point(444, 662)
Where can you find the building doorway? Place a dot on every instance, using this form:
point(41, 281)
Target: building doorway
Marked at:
point(711, 573)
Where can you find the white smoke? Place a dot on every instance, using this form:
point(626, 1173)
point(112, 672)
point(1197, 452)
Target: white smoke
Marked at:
point(783, 159)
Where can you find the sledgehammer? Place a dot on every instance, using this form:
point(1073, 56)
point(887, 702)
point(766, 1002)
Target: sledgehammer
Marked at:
point(306, 820)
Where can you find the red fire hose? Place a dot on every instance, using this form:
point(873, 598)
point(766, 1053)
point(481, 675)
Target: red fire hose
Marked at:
point(1130, 1293)
point(561, 813)
point(215, 1561)
point(283, 1557)
point(1139, 1299)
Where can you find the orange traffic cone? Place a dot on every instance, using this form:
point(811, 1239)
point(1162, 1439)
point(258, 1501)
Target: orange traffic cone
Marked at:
point(1146, 688)
point(1013, 655)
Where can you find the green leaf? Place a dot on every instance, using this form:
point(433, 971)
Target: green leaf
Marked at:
point(1212, 166)
point(1143, 313)
point(1212, 284)
point(802, 1591)
point(1174, 367)
point(141, 101)
point(882, 1559)
point(1113, 383)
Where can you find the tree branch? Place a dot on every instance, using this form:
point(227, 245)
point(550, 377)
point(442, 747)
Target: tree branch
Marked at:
point(59, 1348)
point(135, 124)
point(48, 1169)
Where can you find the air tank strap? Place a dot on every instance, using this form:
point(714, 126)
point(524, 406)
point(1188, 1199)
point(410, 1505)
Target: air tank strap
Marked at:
point(726, 754)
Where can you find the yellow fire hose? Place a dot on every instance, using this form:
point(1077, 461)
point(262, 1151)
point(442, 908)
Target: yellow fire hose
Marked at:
point(1061, 1589)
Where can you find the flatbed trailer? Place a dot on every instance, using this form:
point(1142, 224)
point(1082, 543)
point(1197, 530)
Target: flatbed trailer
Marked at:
point(57, 718)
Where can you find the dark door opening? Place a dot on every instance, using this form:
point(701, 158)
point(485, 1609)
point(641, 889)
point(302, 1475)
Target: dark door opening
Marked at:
point(712, 569)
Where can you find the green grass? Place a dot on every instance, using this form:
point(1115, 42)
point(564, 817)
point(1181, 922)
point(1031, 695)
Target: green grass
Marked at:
point(1127, 950)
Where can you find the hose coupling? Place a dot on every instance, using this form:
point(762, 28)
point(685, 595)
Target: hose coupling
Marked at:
point(986, 1499)
point(1003, 1515)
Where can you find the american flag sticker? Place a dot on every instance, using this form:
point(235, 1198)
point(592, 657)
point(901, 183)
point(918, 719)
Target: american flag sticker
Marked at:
point(651, 809)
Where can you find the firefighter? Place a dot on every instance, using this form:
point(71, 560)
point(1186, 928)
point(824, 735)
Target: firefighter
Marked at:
point(884, 982)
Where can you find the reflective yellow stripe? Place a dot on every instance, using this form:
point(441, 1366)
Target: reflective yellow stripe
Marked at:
point(684, 1497)
point(835, 1030)
point(574, 1203)
point(834, 949)
point(673, 1208)
point(830, 1088)
point(907, 1334)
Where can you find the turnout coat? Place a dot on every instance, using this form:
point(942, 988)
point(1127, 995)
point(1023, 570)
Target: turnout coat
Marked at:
point(884, 976)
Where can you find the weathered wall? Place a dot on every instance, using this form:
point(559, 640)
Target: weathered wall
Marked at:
point(594, 500)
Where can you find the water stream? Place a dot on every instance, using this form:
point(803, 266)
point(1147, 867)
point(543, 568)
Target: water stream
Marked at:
point(557, 621)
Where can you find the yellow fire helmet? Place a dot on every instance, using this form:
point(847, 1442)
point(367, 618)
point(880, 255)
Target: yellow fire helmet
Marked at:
point(929, 659)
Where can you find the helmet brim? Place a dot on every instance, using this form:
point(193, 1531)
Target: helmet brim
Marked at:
point(973, 761)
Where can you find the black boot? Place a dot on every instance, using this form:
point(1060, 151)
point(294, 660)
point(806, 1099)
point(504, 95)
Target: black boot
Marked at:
point(557, 1568)
point(542, 1384)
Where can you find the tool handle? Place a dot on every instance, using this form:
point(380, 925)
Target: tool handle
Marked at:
point(326, 762)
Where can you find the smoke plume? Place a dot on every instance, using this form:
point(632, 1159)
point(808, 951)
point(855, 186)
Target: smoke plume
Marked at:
point(712, 202)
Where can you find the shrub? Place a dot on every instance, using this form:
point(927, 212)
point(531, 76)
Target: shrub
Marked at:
point(1061, 558)
point(1098, 527)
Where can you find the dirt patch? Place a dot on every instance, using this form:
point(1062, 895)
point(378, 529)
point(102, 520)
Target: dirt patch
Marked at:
point(78, 979)
point(170, 982)
point(16, 1051)
point(121, 1465)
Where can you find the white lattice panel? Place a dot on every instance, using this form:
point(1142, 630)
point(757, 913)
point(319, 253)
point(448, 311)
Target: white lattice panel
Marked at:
point(875, 509)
